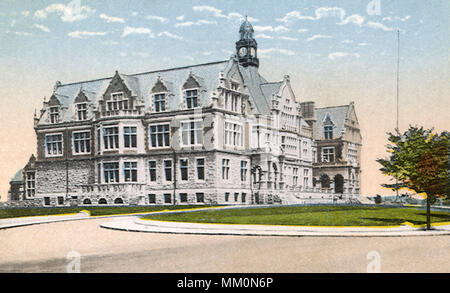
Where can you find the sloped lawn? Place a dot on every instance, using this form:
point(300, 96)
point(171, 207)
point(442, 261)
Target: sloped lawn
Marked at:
point(309, 216)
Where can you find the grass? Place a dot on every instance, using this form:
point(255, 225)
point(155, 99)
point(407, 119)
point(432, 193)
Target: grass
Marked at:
point(309, 216)
point(95, 211)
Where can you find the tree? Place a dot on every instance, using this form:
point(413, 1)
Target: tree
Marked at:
point(419, 161)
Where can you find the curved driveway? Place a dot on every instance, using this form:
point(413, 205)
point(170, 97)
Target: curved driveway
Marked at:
point(44, 248)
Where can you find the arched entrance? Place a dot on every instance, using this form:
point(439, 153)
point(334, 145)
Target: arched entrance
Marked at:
point(102, 201)
point(87, 201)
point(118, 201)
point(338, 184)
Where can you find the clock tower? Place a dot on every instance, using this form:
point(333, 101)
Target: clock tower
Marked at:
point(246, 47)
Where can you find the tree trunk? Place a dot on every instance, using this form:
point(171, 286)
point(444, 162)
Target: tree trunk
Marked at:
point(428, 214)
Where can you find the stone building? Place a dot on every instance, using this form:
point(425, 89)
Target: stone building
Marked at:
point(214, 133)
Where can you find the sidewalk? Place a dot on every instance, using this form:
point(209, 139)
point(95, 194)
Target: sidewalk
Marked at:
point(135, 224)
point(32, 220)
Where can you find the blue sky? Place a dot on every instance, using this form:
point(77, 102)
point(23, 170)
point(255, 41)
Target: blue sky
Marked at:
point(334, 51)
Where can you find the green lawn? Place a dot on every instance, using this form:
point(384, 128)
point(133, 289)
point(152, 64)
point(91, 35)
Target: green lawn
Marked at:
point(309, 215)
point(95, 211)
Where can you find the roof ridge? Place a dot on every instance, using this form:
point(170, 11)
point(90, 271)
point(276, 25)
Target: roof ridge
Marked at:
point(147, 72)
point(328, 107)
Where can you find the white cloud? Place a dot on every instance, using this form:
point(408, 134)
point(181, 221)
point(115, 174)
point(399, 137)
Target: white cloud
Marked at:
point(281, 28)
point(315, 37)
point(402, 19)
point(191, 23)
point(123, 54)
point(336, 55)
point(263, 36)
point(218, 13)
point(82, 34)
point(378, 25)
point(25, 13)
point(180, 18)
point(68, 13)
point(170, 35)
point(134, 13)
point(25, 34)
point(111, 18)
point(347, 41)
point(324, 12)
point(355, 19)
point(274, 50)
point(42, 27)
point(158, 18)
point(229, 52)
point(137, 30)
point(302, 30)
point(288, 38)
point(363, 44)
point(259, 28)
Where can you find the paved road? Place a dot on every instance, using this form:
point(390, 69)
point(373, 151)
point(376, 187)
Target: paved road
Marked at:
point(44, 248)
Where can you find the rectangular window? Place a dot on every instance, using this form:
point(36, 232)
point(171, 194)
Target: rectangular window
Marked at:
point(159, 135)
point(305, 177)
point(225, 168)
point(243, 198)
point(227, 196)
point(236, 196)
point(81, 111)
point(294, 176)
point(191, 99)
point(168, 170)
point(328, 154)
point(111, 138)
point(152, 198)
point(201, 169)
point(167, 198)
point(328, 132)
point(130, 171)
point(183, 197)
point(200, 197)
point(233, 134)
point(111, 172)
point(152, 170)
point(54, 144)
point(129, 137)
point(117, 102)
point(159, 102)
point(184, 169)
point(243, 171)
point(46, 200)
point(235, 99)
point(54, 114)
point(82, 142)
point(31, 184)
point(60, 200)
point(191, 133)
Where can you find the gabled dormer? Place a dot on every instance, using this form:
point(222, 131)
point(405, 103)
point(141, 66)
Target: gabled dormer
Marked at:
point(159, 96)
point(328, 126)
point(117, 99)
point(81, 106)
point(191, 92)
point(54, 110)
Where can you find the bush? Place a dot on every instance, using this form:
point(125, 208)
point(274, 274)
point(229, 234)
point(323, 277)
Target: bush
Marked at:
point(378, 199)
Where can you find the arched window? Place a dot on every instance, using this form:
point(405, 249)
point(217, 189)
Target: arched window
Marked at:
point(87, 201)
point(118, 201)
point(338, 184)
point(324, 181)
point(102, 201)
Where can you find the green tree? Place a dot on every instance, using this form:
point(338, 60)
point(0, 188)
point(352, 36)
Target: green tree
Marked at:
point(419, 161)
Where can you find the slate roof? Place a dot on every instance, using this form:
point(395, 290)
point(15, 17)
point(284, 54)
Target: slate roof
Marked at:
point(337, 114)
point(17, 177)
point(141, 84)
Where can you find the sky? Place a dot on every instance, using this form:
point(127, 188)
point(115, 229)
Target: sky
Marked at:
point(335, 52)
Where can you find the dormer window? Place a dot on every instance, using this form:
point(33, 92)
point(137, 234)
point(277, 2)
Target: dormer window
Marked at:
point(81, 111)
point(234, 86)
point(54, 114)
point(191, 99)
point(117, 102)
point(159, 102)
point(328, 132)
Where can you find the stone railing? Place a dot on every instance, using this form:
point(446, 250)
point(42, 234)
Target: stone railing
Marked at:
point(130, 112)
point(123, 189)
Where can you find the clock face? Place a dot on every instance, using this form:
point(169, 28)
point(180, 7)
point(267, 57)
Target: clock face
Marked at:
point(252, 52)
point(242, 51)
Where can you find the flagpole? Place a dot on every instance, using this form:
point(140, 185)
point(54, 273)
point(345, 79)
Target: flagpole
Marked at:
point(398, 82)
